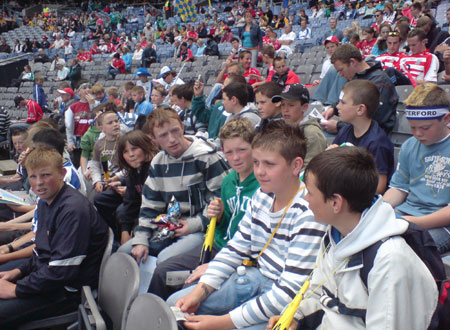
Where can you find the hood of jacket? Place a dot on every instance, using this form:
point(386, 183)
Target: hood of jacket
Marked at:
point(376, 223)
point(374, 65)
point(311, 121)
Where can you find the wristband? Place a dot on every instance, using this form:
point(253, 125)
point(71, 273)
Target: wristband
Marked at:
point(10, 248)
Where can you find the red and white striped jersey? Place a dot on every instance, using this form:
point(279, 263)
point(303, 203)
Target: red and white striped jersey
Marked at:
point(421, 66)
point(390, 60)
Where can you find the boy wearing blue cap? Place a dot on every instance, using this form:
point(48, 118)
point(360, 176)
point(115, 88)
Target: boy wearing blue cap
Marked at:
point(419, 189)
point(143, 81)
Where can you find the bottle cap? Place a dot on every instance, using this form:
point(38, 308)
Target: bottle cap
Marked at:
point(241, 270)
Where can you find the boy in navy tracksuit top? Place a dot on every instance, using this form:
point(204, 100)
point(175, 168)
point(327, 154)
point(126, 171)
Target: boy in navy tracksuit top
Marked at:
point(70, 240)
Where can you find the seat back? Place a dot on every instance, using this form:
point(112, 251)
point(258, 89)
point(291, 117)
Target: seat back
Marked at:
point(118, 287)
point(108, 250)
point(149, 311)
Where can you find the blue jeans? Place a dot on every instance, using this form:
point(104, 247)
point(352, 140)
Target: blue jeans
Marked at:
point(182, 244)
point(222, 301)
point(113, 71)
point(441, 237)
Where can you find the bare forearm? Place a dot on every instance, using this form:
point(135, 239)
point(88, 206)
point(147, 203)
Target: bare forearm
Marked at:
point(22, 208)
point(83, 164)
point(23, 218)
point(436, 219)
point(395, 196)
point(21, 254)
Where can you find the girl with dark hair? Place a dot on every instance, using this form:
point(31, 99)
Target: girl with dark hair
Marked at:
point(136, 151)
point(381, 45)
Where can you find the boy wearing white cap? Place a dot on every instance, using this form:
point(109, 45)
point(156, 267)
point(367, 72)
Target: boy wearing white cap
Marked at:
point(419, 189)
point(168, 78)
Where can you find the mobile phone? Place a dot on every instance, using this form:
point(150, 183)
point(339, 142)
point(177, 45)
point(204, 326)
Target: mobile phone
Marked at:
point(200, 78)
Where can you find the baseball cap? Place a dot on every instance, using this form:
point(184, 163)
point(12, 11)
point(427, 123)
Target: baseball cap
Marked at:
point(66, 91)
point(164, 70)
point(17, 100)
point(332, 39)
point(293, 92)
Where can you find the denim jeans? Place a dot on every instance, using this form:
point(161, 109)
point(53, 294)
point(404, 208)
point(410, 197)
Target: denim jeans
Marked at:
point(113, 71)
point(441, 237)
point(222, 301)
point(17, 311)
point(184, 243)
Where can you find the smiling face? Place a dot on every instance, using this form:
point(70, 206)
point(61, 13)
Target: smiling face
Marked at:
point(134, 156)
point(239, 155)
point(46, 181)
point(246, 61)
point(170, 137)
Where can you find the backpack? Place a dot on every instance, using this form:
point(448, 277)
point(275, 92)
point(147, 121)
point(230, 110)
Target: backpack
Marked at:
point(424, 246)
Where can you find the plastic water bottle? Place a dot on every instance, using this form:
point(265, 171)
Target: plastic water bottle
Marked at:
point(243, 286)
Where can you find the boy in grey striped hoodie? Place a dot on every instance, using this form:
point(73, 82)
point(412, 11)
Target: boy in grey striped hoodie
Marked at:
point(187, 168)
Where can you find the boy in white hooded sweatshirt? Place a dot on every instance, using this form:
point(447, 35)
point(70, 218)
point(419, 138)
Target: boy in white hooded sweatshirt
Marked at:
point(401, 292)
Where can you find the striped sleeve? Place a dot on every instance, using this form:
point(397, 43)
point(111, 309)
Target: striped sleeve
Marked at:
point(288, 259)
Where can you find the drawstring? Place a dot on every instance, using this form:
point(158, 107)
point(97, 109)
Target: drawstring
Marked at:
point(235, 211)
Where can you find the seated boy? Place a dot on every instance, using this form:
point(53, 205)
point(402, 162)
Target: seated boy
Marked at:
point(141, 105)
point(70, 241)
point(13, 252)
point(16, 181)
point(401, 292)
point(188, 169)
point(357, 106)
point(419, 189)
point(294, 103)
point(277, 233)
point(237, 189)
point(235, 102)
point(182, 95)
point(215, 115)
point(268, 110)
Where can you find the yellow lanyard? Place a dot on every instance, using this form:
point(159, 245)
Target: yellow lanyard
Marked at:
point(254, 262)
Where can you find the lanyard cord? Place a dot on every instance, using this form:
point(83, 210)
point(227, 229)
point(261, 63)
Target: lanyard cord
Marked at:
point(279, 223)
point(114, 150)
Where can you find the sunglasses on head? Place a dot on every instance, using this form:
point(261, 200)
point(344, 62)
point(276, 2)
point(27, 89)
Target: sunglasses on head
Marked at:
point(393, 34)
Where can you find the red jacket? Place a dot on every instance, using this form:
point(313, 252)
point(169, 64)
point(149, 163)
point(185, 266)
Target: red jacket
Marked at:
point(119, 64)
point(34, 112)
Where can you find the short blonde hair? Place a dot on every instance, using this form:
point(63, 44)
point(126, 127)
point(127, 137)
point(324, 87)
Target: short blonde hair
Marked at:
point(97, 88)
point(427, 95)
point(44, 156)
point(112, 91)
point(237, 128)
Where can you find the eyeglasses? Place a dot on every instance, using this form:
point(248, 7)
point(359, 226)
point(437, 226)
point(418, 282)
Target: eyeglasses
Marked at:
point(393, 34)
point(377, 15)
